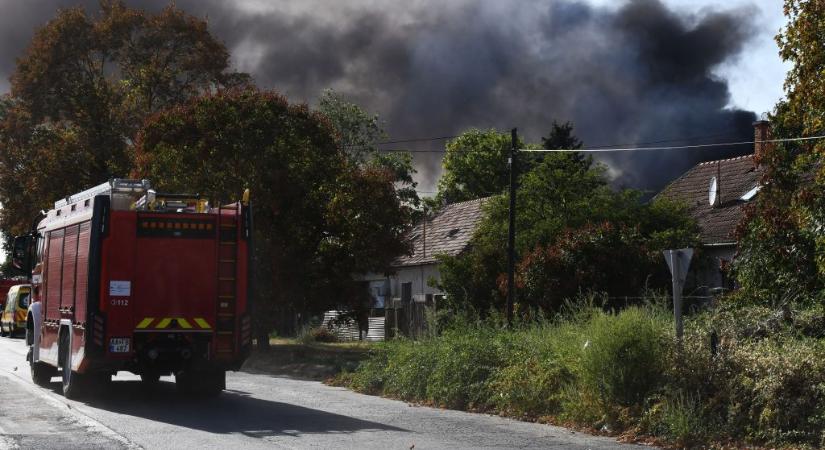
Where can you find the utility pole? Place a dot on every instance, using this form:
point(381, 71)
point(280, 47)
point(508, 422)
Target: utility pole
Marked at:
point(511, 238)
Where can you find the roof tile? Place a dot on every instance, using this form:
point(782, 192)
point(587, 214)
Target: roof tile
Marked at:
point(736, 176)
point(447, 232)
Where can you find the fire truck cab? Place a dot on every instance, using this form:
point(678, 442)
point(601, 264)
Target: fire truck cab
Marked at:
point(127, 278)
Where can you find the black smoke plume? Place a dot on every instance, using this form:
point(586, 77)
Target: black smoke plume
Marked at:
point(639, 72)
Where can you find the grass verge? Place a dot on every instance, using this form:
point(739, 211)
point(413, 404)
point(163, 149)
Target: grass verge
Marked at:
point(622, 373)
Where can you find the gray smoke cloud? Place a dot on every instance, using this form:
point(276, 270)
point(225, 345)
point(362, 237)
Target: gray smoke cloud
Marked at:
point(634, 73)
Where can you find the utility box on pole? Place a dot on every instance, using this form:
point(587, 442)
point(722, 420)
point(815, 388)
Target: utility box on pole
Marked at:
point(678, 261)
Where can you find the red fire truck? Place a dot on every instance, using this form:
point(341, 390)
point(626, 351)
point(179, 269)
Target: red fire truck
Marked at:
point(126, 278)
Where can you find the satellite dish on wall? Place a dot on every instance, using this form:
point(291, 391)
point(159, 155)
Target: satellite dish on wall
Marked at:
point(713, 191)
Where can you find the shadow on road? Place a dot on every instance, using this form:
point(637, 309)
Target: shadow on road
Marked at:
point(231, 412)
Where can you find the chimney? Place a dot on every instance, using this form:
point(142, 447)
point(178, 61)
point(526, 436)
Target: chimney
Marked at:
point(761, 133)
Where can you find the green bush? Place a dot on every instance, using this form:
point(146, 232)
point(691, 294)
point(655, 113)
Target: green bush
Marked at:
point(467, 360)
point(309, 334)
point(624, 358)
point(778, 390)
point(532, 377)
point(369, 378)
point(409, 367)
point(679, 418)
point(763, 382)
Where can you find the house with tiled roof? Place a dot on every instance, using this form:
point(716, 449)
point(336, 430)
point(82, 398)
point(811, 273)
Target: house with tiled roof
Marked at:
point(716, 194)
point(445, 232)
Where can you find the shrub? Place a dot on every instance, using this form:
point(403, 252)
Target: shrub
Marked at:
point(624, 358)
point(408, 369)
point(620, 371)
point(532, 378)
point(309, 334)
point(370, 375)
point(468, 357)
point(680, 418)
point(323, 334)
point(777, 391)
point(604, 257)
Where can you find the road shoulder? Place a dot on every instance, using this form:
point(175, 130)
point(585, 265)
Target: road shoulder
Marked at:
point(33, 417)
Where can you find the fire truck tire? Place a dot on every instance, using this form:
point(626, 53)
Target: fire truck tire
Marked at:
point(215, 383)
point(2, 331)
point(42, 373)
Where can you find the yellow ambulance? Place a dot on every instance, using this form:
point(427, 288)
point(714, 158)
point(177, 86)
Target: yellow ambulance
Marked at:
point(13, 319)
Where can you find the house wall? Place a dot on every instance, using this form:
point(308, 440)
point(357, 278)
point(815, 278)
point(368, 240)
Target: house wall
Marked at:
point(418, 276)
point(384, 289)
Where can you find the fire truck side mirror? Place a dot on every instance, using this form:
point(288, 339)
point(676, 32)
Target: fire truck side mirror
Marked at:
point(21, 253)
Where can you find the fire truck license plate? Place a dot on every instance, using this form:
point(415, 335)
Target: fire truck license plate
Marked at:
point(119, 345)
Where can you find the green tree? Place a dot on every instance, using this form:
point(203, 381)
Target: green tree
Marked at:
point(782, 246)
point(561, 137)
point(81, 91)
point(359, 134)
point(565, 207)
point(319, 217)
point(475, 166)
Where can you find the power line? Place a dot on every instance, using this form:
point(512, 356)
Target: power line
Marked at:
point(400, 150)
point(594, 149)
point(672, 147)
point(692, 138)
point(401, 141)
point(441, 138)
point(603, 146)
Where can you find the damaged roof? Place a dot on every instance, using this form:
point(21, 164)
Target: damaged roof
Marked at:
point(735, 177)
point(447, 232)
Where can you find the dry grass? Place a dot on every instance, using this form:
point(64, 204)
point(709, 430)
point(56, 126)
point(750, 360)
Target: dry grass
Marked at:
point(315, 361)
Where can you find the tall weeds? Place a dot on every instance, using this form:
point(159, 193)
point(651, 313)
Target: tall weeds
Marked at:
point(621, 371)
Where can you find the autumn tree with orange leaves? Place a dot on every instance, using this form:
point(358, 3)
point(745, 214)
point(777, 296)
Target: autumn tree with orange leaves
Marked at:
point(782, 245)
point(82, 90)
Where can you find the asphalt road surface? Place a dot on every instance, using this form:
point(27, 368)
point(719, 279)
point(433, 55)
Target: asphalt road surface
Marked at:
point(256, 411)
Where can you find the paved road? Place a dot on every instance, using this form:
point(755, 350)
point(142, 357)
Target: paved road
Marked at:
point(257, 411)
